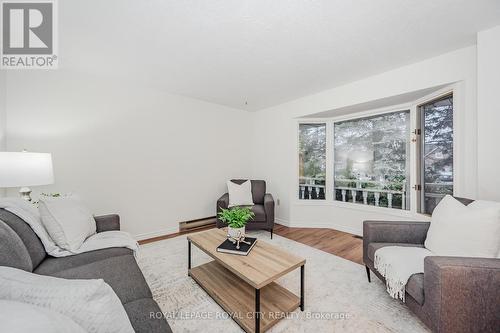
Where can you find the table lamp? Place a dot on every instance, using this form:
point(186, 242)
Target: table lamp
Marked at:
point(23, 169)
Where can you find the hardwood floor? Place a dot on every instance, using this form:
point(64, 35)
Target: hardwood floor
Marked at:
point(339, 243)
point(336, 242)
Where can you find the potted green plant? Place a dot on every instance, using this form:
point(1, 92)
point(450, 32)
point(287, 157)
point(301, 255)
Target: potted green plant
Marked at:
point(236, 218)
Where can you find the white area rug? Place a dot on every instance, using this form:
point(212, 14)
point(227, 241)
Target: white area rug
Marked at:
point(338, 297)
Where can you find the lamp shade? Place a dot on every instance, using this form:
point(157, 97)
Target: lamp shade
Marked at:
point(25, 169)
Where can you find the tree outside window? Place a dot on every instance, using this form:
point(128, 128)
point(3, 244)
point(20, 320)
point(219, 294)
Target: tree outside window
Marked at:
point(371, 160)
point(312, 161)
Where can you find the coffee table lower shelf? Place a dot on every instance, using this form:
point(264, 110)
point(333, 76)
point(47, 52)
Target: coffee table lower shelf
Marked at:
point(238, 298)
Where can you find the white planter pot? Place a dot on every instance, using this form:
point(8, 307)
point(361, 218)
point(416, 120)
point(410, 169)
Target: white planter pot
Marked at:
point(235, 232)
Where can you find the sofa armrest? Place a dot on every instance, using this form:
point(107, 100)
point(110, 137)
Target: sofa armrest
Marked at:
point(222, 203)
point(462, 294)
point(411, 232)
point(269, 209)
point(107, 222)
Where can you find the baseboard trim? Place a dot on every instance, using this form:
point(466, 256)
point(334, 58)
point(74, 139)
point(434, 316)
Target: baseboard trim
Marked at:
point(284, 222)
point(154, 234)
point(350, 230)
point(198, 223)
point(293, 224)
point(172, 232)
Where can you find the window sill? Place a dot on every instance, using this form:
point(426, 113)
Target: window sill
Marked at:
point(364, 208)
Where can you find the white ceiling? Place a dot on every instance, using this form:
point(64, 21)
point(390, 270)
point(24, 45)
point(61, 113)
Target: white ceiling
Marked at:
point(261, 51)
point(381, 103)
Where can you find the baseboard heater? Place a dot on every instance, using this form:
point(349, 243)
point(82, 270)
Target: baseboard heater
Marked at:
point(197, 224)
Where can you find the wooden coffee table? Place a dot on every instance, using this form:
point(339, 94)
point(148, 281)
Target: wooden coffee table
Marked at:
point(244, 285)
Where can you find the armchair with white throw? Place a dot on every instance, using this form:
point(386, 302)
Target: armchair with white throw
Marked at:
point(459, 287)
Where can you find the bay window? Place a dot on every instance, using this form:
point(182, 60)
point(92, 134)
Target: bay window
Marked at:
point(399, 159)
point(371, 158)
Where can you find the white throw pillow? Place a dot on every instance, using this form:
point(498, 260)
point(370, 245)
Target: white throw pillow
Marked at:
point(40, 320)
point(67, 221)
point(92, 304)
point(240, 195)
point(466, 231)
point(29, 213)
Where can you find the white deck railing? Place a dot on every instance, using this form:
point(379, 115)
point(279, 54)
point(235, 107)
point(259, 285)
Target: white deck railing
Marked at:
point(376, 194)
point(314, 188)
point(311, 188)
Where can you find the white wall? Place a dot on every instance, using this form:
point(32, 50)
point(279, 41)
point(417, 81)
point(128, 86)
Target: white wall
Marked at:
point(274, 143)
point(3, 112)
point(154, 158)
point(158, 159)
point(488, 73)
point(3, 115)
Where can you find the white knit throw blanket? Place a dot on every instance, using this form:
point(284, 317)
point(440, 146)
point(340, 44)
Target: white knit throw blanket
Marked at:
point(397, 264)
point(103, 240)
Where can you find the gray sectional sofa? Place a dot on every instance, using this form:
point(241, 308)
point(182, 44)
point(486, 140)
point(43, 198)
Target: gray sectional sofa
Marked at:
point(21, 248)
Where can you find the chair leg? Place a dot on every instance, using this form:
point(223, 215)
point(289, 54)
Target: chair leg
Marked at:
point(271, 232)
point(368, 273)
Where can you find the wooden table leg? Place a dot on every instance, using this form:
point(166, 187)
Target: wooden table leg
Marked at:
point(257, 310)
point(189, 255)
point(302, 287)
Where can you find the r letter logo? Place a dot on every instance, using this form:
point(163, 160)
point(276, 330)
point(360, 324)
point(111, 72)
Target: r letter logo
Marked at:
point(29, 34)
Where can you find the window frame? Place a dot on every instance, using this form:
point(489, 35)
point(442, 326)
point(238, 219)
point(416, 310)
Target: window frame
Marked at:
point(414, 158)
point(421, 146)
point(377, 112)
point(297, 153)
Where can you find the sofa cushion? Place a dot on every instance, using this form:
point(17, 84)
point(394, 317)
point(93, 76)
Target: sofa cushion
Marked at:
point(40, 319)
point(13, 253)
point(92, 304)
point(146, 316)
point(372, 247)
point(415, 287)
point(465, 231)
point(260, 213)
point(258, 189)
point(239, 194)
point(67, 221)
point(121, 273)
point(30, 239)
point(52, 265)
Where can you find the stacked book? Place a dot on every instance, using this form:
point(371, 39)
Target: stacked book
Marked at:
point(230, 246)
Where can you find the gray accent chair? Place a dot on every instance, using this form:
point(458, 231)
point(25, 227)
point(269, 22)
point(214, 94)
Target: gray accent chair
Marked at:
point(21, 248)
point(263, 208)
point(454, 294)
